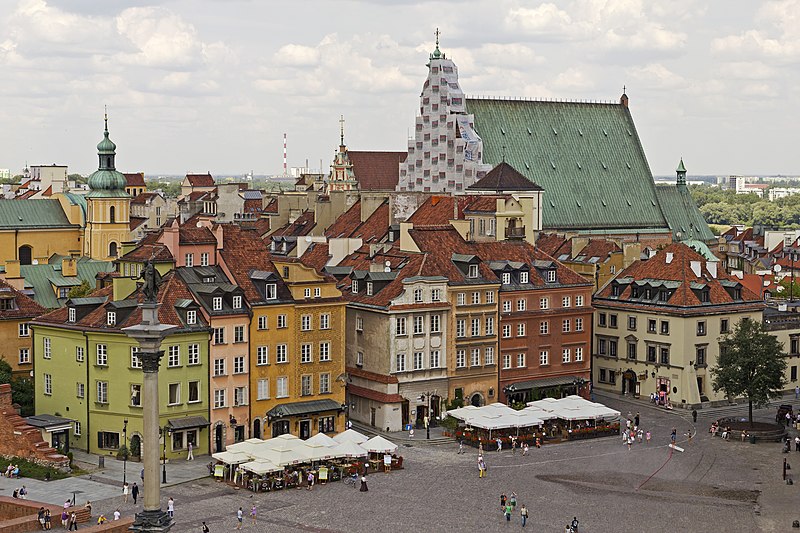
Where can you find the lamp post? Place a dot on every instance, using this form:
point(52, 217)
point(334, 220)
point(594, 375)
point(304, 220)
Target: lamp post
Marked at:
point(166, 430)
point(125, 456)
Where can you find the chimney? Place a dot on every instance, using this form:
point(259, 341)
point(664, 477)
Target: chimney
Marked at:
point(376, 266)
point(711, 266)
point(12, 269)
point(219, 233)
point(171, 238)
point(69, 267)
point(696, 267)
point(669, 257)
point(578, 244)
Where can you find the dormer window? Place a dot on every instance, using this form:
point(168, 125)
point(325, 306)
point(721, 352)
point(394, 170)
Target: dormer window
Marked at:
point(354, 286)
point(285, 271)
point(6, 304)
point(307, 293)
point(417, 296)
point(191, 317)
point(369, 288)
point(473, 272)
point(71, 314)
point(551, 276)
point(237, 302)
point(111, 318)
point(648, 293)
point(523, 277)
point(663, 296)
point(615, 290)
point(704, 297)
point(272, 247)
point(436, 295)
point(737, 293)
point(634, 292)
point(216, 303)
point(271, 291)
point(506, 278)
point(283, 246)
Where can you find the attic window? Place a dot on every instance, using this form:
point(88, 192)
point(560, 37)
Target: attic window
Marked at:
point(237, 302)
point(554, 131)
point(580, 132)
point(271, 291)
point(604, 165)
point(473, 271)
point(579, 166)
point(502, 131)
point(370, 288)
point(634, 292)
point(191, 318)
point(551, 276)
point(704, 297)
point(111, 318)
point(663, 296)
point(523, 277)
point(529, 131)
point(628, 202)
point(216, 303)
point(527, 166)
point(615, 290)
point(628, 165)
point(506, 278)
point(354, 286)
point(552, 164)
point(605, 132)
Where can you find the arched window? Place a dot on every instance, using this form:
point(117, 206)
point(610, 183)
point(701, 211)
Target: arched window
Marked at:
point(112, 216)
point(112, 249)
point(257, 428)
point(25, 255)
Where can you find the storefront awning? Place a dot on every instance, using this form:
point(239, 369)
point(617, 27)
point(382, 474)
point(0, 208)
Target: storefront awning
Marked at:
point(188, 422)
point(303, 408)
point(542, 383)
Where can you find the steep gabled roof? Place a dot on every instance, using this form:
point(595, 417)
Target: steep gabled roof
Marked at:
point(200, 180)
point(134, 179)
point(316, 256)
point(504, 178)
point(586, 156)
point(376, 171)
point(682, 214)
point(349, 224)
point(24, 307)
point(300, 227)
point(553, 244)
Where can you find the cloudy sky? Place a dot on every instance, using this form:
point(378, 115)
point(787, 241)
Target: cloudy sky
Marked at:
point(212, 85)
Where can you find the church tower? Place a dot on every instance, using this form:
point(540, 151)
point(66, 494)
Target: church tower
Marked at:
point(107, 206)
point(342, 177)
point(446, 154)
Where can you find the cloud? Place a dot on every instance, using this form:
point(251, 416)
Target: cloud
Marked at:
point(161, 39)
point(295, 55)
point(656, 75)
point(774, 38)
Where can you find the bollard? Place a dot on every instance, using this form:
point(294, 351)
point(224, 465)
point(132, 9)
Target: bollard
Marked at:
point(101, 461)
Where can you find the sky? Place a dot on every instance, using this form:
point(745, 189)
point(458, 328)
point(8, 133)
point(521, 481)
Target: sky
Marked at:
point(212, 85)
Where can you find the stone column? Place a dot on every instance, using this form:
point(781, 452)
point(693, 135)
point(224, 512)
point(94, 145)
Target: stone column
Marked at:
point(150, 333)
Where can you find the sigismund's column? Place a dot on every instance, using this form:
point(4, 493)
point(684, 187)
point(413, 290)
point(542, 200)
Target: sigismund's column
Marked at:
point(149, 334)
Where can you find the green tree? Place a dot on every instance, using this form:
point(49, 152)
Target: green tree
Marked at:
point(751, 364)
point(21, 388)
point(81, 290)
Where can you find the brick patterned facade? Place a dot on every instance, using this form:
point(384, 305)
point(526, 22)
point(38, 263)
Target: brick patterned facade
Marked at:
point(20, 439)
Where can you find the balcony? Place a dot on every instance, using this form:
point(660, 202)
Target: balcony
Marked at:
point(515, 232)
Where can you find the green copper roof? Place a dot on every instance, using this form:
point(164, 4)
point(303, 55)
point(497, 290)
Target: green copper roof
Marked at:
point(106, 182)
point(32, 214)
point(681, 168)
point(43, 277)
point(586, 156)
point(682, 214)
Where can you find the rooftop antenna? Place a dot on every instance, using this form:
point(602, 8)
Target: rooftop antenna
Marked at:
point(341, 130)
point(285, 173)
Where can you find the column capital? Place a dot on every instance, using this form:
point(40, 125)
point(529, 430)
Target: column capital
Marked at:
point(151, 360)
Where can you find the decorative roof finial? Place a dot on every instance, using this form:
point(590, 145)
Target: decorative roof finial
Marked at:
point(437, 53)
point(341, 130)
point(105, 117)
point(623, 89)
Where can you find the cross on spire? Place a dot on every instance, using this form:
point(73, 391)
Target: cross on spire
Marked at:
point(105, 116)
point(437, 33)
point(623, 89)
point(341, 130)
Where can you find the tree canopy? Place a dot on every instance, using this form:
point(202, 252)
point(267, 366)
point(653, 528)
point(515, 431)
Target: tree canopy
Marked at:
point(751, 364)
point(21, 388)
point(720, 206)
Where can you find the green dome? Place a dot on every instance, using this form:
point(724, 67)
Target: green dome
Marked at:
point(106, 182)
point(106, 146)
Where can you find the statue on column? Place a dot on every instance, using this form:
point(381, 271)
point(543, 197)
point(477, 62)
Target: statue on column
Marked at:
point(152, 278)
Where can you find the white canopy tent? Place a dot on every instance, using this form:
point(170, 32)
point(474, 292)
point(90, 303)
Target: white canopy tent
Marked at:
point(321, 439)
point(350, 435)
point(261, 467)
point(231, 457)
point(349, 448)
point(575, 408)
point(500, 416)
point(378, 444)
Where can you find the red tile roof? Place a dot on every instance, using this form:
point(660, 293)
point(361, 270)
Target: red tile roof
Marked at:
point(200, 180)
point(25, 307)
point(135, 222)
point(144, 197)
point(149, 247)
point(372, 376)
point(374, 395)
point(135, 179)
point(678, 269)
point(552, 244)
point(48, 191)
point(377, 170)
point(194, 235)
point(346, 223)
point(272, 207)
point(601, 248)
point(316, 256)
point(349, 224)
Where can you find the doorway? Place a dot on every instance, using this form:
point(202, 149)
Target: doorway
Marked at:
point(218, 438)
point(404, 413)
point(629, 382)
point(372, 413)
point(25, 255)
point(257, 428)
point(476, 400)
point(435, 407)
point(305, 429)
point(421, 412)
point(136, 446)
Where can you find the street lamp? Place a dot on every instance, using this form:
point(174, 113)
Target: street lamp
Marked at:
point(125, 447)
point(166, 430)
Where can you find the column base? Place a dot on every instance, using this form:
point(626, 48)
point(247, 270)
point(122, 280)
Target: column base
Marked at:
point(152, 521)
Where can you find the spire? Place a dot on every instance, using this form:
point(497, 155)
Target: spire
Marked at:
point(107, 181)
point(681, 171)
point(437, 54)
point(341, 130)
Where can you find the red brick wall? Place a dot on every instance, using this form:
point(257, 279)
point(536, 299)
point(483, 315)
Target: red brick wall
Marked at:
point(18, 515)
point(20, 439)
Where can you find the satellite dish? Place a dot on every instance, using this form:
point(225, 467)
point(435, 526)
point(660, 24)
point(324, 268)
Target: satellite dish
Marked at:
point(199, 224)
point(388, 263)
point(777, 268)
point(308, 238)
point(35, 262)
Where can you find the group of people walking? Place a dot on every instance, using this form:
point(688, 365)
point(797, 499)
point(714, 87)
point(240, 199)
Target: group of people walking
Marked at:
point(509, 505)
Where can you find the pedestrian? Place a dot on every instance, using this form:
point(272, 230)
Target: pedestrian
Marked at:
point(639, 436)
point(101, 520)
point(135, 492)
point(461, 446)
point(525, 449)
point(574, 524)
point(499, 444)
point(204, 529)
point(364, 487)
point(190, 455)
point(117, 514)
point(64, 518)
point(253, 514)
point(73, 522)
point(239, 517)
point(513, 500)
point(40, 516)
point(47, 519)
point(141, 475)
point(647, 436)
point(310, 479)
point(67, 504)
point(23, 492)
point(503, 500)
point(694, 416)
point(636, 420)
point(171, 507)
point(349, 424)
point(513, 446)
point(507, 511)
point(797, 392)
point(797, 443)
point(688, 435)
point(673, 435)
point(523, 512)
point(125, 491)
point(481, 468)
point(788, 419)
point(630, 442)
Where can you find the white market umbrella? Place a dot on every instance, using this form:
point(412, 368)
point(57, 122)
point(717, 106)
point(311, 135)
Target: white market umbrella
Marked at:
point(231, 458)
point(351, 435)
point(348, 449)
point(284, 455)
point(261, 466)
point(249, 446)
point(321, 439)
point(378, 444)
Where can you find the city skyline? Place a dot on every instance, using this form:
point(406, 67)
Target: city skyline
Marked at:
point(214, 87)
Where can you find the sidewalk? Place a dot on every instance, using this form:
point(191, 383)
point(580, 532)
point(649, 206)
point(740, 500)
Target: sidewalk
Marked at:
point(101, 483)
point(402, 437)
